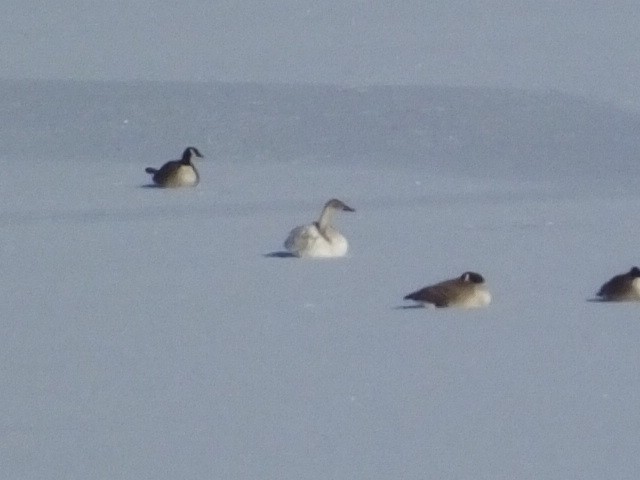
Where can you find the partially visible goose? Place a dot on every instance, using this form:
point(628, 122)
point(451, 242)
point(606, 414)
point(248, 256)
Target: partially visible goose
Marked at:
point(178, 173)
point(467, 291)
point(320, 239)
point(622, 288)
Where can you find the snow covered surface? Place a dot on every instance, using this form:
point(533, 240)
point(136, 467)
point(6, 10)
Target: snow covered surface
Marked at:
point(147, 334)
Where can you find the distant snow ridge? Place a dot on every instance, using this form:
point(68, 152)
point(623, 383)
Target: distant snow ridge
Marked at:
point(475, 131)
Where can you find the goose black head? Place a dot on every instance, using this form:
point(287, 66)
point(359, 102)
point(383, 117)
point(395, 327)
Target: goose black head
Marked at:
point(472, 277)
point(189, 153)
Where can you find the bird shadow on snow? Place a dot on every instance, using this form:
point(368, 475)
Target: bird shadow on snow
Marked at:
point(598, 300)
point(433, 307)
point(409, 307)
point(280, 254)
point(150, 185)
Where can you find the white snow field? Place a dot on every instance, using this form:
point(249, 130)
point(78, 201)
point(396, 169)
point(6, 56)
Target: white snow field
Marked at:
point(146, 334)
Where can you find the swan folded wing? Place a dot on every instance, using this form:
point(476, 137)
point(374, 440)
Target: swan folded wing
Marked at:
point(301, 239)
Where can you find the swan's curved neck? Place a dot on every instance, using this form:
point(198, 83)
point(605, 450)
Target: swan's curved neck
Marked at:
point(325, 219)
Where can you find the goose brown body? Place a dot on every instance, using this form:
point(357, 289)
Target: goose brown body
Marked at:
point(178, 173)
point(621, 288)
point(467, 291)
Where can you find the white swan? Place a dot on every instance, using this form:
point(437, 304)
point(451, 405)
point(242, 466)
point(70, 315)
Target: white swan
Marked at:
point(320, 239)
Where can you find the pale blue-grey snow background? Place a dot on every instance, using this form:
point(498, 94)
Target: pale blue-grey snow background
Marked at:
point(146, 335)
point(584, 47)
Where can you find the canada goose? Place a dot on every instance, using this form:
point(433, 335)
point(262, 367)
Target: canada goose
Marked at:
point(621, 288)
point(178, 173)
point(467, 291)
point(319, 239)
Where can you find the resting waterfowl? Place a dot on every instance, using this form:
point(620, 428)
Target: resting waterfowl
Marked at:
point(178, 173)
point(622, 288)
point(467, 291)
point(320, 239)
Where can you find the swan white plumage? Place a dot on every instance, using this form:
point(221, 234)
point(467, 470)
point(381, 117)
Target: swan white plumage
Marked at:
point(319, 239)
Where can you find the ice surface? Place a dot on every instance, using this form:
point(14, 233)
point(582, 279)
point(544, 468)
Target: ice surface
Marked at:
point(146, 335)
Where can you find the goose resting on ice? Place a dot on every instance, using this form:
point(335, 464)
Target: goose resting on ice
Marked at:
point(177, 173)
point(622, 288)
point(467, 291)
